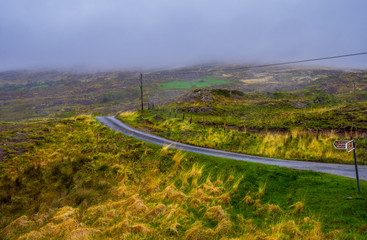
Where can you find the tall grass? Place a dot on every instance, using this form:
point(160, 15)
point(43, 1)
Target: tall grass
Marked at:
point(98, 184)
point(193, 211)
point(291, 144)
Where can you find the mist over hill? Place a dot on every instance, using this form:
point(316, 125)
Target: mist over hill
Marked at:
point(32, 94)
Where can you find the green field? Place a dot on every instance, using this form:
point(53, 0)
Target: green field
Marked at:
point(199, 83)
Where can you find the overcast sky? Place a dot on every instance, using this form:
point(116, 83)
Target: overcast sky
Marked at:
point(122, 34)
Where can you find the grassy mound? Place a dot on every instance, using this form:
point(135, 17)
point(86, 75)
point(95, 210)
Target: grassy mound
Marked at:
point(76, 179)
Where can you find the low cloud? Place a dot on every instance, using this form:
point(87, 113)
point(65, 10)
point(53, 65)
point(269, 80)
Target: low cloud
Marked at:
point(141, 33)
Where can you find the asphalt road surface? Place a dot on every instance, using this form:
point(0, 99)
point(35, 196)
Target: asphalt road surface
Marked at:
point(336, 169)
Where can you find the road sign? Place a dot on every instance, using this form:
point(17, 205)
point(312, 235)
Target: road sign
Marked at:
point(344, 144)
point(350, 146)
point(341, 144)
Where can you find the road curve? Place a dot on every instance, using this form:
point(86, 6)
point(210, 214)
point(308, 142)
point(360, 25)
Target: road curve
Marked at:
point(336, 169)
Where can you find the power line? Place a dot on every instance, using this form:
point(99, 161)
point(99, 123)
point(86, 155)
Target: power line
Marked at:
point(290, 62)
point(301, 61)
point(268, 65)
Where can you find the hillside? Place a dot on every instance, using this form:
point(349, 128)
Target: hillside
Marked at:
point(76, 179)
point(291, 125)
point(62, 94)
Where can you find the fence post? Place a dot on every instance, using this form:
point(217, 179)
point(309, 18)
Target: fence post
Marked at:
point(317, 133)
point(351, 131)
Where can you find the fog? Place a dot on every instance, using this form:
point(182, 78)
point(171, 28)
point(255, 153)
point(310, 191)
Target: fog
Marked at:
point(112, 34)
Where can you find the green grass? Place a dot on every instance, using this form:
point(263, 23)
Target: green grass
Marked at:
point(176, 84)
point(76, 176)
point(199, 83)
point(40, 86)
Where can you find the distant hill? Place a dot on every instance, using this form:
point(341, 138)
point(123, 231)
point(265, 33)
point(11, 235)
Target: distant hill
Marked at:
point(33, 94)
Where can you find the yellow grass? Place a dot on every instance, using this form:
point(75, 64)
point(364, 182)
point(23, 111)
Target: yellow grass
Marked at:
point(177, 158)
point(215, 214)
point(297, 207)
point(258, 80)
point(153, 206)
point(237, 182)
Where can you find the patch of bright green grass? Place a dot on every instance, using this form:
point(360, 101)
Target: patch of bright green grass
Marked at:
point(40, 86)
point(199, 83)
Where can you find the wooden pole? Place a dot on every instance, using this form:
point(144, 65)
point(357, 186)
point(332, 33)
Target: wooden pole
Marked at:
point(356, 166)
point(141, 91)
point(317, 133)
point(351, 131)
point(290, 132)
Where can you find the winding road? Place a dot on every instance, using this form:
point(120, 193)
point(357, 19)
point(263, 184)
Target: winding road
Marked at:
point(336, 169)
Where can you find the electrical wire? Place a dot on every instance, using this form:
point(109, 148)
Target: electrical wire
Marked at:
point(290, 62)
point(301, 61)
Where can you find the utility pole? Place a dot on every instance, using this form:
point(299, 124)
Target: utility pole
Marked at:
point(141, 91)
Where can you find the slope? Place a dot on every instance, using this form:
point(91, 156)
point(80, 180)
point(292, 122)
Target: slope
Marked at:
point(74, 178)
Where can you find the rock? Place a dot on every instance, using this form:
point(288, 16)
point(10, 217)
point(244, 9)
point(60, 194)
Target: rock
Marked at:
point(206, 99)
point(202, 95)
point(299, 105)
